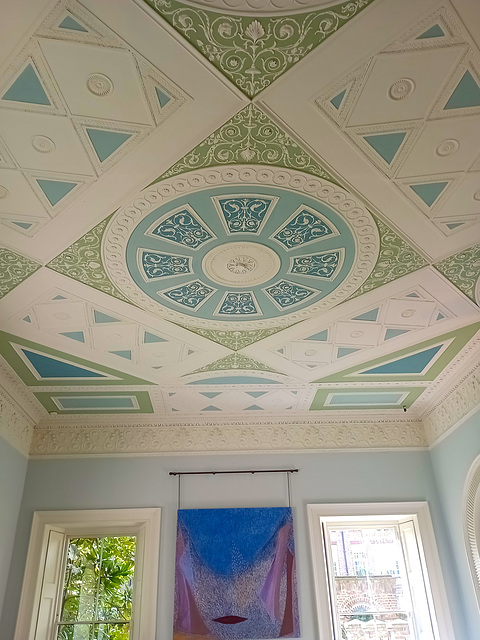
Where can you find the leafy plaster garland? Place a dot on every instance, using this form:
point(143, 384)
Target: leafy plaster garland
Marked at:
point(216, 438)
point(82, 261)
point(253, 53)
point(396, 259)
point(463, 269)
point(14, 269)
point(250, 137)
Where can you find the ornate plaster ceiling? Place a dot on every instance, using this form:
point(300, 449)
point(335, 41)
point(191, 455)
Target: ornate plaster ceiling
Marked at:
point(238, 212)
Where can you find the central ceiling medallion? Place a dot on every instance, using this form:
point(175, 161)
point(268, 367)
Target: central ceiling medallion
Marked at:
point(241, 264)
point(240, 247)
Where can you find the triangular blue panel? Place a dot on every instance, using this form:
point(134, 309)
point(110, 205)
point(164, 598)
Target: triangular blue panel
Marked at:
point(386, 144)
point(151, 337)
point(71, 24)
point(412, 295)
point(49, 367)
point(27, 88)
point(123, 353)
point(27, 319)
point(345, 351)
point(337, 100)
point(105, 142)
point(368, 316)
point(210, 394)
point(414, 363)
point(22, 225)
point(254, 407)
point(256, 394)
point(322, 336)
point(454, 225)
point(79, 336)
point(440, 316)
point(211, 408)
point(434, 32)
point(466, 94)
point(163, 98)
point(393, 333)
point(59, 297)
point(429, 191)
point(100, 317)
point(55, 190)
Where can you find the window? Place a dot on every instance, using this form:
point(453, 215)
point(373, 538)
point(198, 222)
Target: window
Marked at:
point(91, 575)
point(472, 523)
point(374, 578)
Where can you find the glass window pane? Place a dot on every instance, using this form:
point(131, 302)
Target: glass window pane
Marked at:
point(98, 585)
point(371, 594)
point(81, 578)
point(116, 579)
point(75, 632)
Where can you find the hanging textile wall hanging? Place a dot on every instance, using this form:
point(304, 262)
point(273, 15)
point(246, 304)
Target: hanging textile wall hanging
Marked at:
point(235, 575)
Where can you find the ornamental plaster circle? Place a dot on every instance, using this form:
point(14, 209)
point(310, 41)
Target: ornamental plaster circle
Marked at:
point(157, 244)
point(260, 7)
point(241, 264)
point(42, 144)
point(99, 84)
point(401, 89)
point(476, 195)
point(3, 192)
point(447, 147)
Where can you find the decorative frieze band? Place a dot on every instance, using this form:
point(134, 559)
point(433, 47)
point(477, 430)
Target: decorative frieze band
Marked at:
point(147, 439)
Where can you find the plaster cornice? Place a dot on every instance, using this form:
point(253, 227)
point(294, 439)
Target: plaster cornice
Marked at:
point(230, 438)
point(460, 402)
point(15, 425)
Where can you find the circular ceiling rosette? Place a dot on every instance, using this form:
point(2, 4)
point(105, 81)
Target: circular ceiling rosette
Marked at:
point(240, 247)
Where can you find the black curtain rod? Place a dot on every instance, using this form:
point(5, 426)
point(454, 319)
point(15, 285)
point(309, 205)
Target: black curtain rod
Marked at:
point(214, 473)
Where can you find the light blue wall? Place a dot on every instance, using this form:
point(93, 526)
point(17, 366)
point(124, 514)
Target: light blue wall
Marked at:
point(13, 467)
point(142, 482)
point(451, 461)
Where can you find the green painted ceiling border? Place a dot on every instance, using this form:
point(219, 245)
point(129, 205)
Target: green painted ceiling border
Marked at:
point(396, 259)
point(249, 137)
point(14, 269)
point(254, 51)
point(45, 399)
point(463, 270)
point(82, 261)
point(460, 338)
point(321, 395)
point(24, 373)
point(234, 362)
point(234, 340)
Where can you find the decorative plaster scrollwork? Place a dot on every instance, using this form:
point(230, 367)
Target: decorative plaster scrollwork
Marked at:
point(126, 220)
point(15, 427)
point(218, 438)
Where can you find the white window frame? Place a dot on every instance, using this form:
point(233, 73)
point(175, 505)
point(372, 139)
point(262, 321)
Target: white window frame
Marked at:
point(471, 523)
point(143, 523)
point(390, 511)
